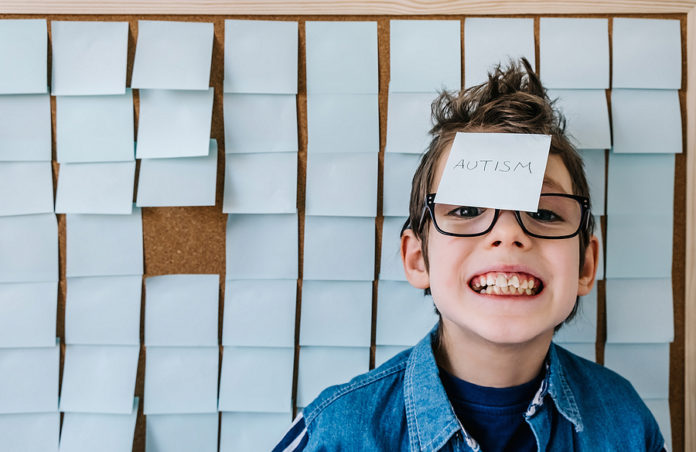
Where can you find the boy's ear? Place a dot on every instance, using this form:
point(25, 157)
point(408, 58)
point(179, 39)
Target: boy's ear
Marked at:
point(413, 260)
point(589, 268)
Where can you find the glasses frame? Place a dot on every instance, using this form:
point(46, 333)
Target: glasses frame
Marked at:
point(584, 217)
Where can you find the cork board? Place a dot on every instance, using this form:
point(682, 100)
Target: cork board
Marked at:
point(192, 239)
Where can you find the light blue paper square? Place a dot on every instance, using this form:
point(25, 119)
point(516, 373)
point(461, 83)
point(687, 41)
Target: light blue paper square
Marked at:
point(587, 117)
point(181, 310)
point(339, 248)
point(174, 123)
point(29, 379)
point(103, 310)
point(574, 53)
point(26, 188)
point(626, 195)
point(425, 55)
point(341, 57)
point(30, 432)
point(183, 181)
point(398, 174)
point(103, 245)
point(98, 188)
point(181, 380)
point(248, 432)
point(99, 378)
point(260, 313)
point(594, 161)
point(334, 187)
point(583, 350)
point(257, 379)
point(182, 433)
point(646, 53)
point(336, 313)
point(262, 246)
point(639, 310)
point(89, 57)
point(344, 123)
point(28, 314)
point(646, 121)
point(598, 234)
point(646, 366)
point(29, 248)
point(660, 410)
point(391, 268)
point(260, 123)
point(383, 353)
point(639, 246)
point(25, 129)
point(84, 432)
point(408, 122)
point(261, 56)
point(260, 183)
point(492, 41)
point(95, 128)
point(404, 314)
point(583, 327)
point(173, 55)
point(23, 56)
point(321, 367)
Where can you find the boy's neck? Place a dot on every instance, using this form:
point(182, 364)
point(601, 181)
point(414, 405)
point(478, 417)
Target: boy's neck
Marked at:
point(487, 364)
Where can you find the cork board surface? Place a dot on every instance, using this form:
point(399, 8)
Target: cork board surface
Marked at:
point(192, 239)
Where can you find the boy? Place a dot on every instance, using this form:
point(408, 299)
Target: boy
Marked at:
point(488, 376)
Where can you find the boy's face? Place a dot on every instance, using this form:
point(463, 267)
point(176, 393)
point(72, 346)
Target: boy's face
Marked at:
point(456, 263)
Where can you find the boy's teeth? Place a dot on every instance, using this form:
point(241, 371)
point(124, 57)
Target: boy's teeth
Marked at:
point(525, 284)
point(490, 280)
point(501, 283)
point(501, 280)
point(514, 281)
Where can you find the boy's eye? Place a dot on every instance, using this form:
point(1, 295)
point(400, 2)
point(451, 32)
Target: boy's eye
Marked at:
point(466, 212)
point(546, 216)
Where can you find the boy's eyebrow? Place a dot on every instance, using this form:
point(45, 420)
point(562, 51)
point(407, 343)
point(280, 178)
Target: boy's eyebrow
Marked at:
point(553, 185)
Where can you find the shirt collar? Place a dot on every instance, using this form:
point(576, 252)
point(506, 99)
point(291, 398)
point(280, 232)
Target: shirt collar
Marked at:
point(560, 390)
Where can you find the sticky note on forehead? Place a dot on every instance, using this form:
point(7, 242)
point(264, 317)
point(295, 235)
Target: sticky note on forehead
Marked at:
point(495, 170)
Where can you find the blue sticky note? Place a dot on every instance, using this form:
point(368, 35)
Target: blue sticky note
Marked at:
point(98, 188)
point(30, 432)
point(23, 56)
point(646, 366)
point(174, 123)
point(646, 53)
point(660, 410)
point(341, 57)
point(404, 313)
point(103, 245)
point(398, 175)
point(342, 123)
point(181, 380)
point(252, 431)
point(28, 314)
point(83, 432)
point(99, 378)
point(261, 56)
point(391, 268)
point(492, 41)
point(25, 129)
point(639, 246)
point(260, 313)
point(173, 55)
point(587, 117)
point(183, 181)
point(594, 161)
point(260, 183)
point(29, 248)
point(262, 246)
point(336, 313)
point(625, 196)
point(646, 121)
point(574, 53)
point(260, 123)
point(29, 379)
point(94, 128)
point(257, 379)
point(321, 367)
point(333, 189)
point(339, 248)
point(584, 350)
point(639, 310)
point(89, 57)
point(181, 310)
point(583, 327)
point(409, 122)
point(425, 55)
point(26, 188)
point(383, 353)
point(103, 310)
point(598, 234)
point(182, 433)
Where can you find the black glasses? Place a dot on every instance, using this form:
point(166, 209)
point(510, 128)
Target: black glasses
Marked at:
point(559, 216)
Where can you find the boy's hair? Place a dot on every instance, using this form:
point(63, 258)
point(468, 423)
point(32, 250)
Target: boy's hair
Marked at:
point(514, 101)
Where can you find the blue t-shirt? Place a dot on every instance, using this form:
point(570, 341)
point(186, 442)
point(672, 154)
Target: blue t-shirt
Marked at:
point(494, 416)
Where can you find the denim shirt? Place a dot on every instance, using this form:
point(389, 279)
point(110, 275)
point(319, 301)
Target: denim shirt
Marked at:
point(402, 405)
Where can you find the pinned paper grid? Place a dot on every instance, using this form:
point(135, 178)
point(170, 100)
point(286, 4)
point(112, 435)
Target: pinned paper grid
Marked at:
point(23, 56)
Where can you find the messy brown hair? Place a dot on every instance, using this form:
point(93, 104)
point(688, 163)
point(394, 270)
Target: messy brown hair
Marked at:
point(513, 100)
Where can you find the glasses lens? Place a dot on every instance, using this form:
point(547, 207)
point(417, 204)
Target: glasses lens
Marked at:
point(557, 216)
point(464, 220)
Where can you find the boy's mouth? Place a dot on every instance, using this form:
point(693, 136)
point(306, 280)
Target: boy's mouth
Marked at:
point(508, 283)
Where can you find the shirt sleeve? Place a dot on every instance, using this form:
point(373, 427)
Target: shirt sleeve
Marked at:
point(296, 437)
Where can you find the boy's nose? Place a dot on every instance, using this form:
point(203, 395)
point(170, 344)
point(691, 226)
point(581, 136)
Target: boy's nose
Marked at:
point(508, 232)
